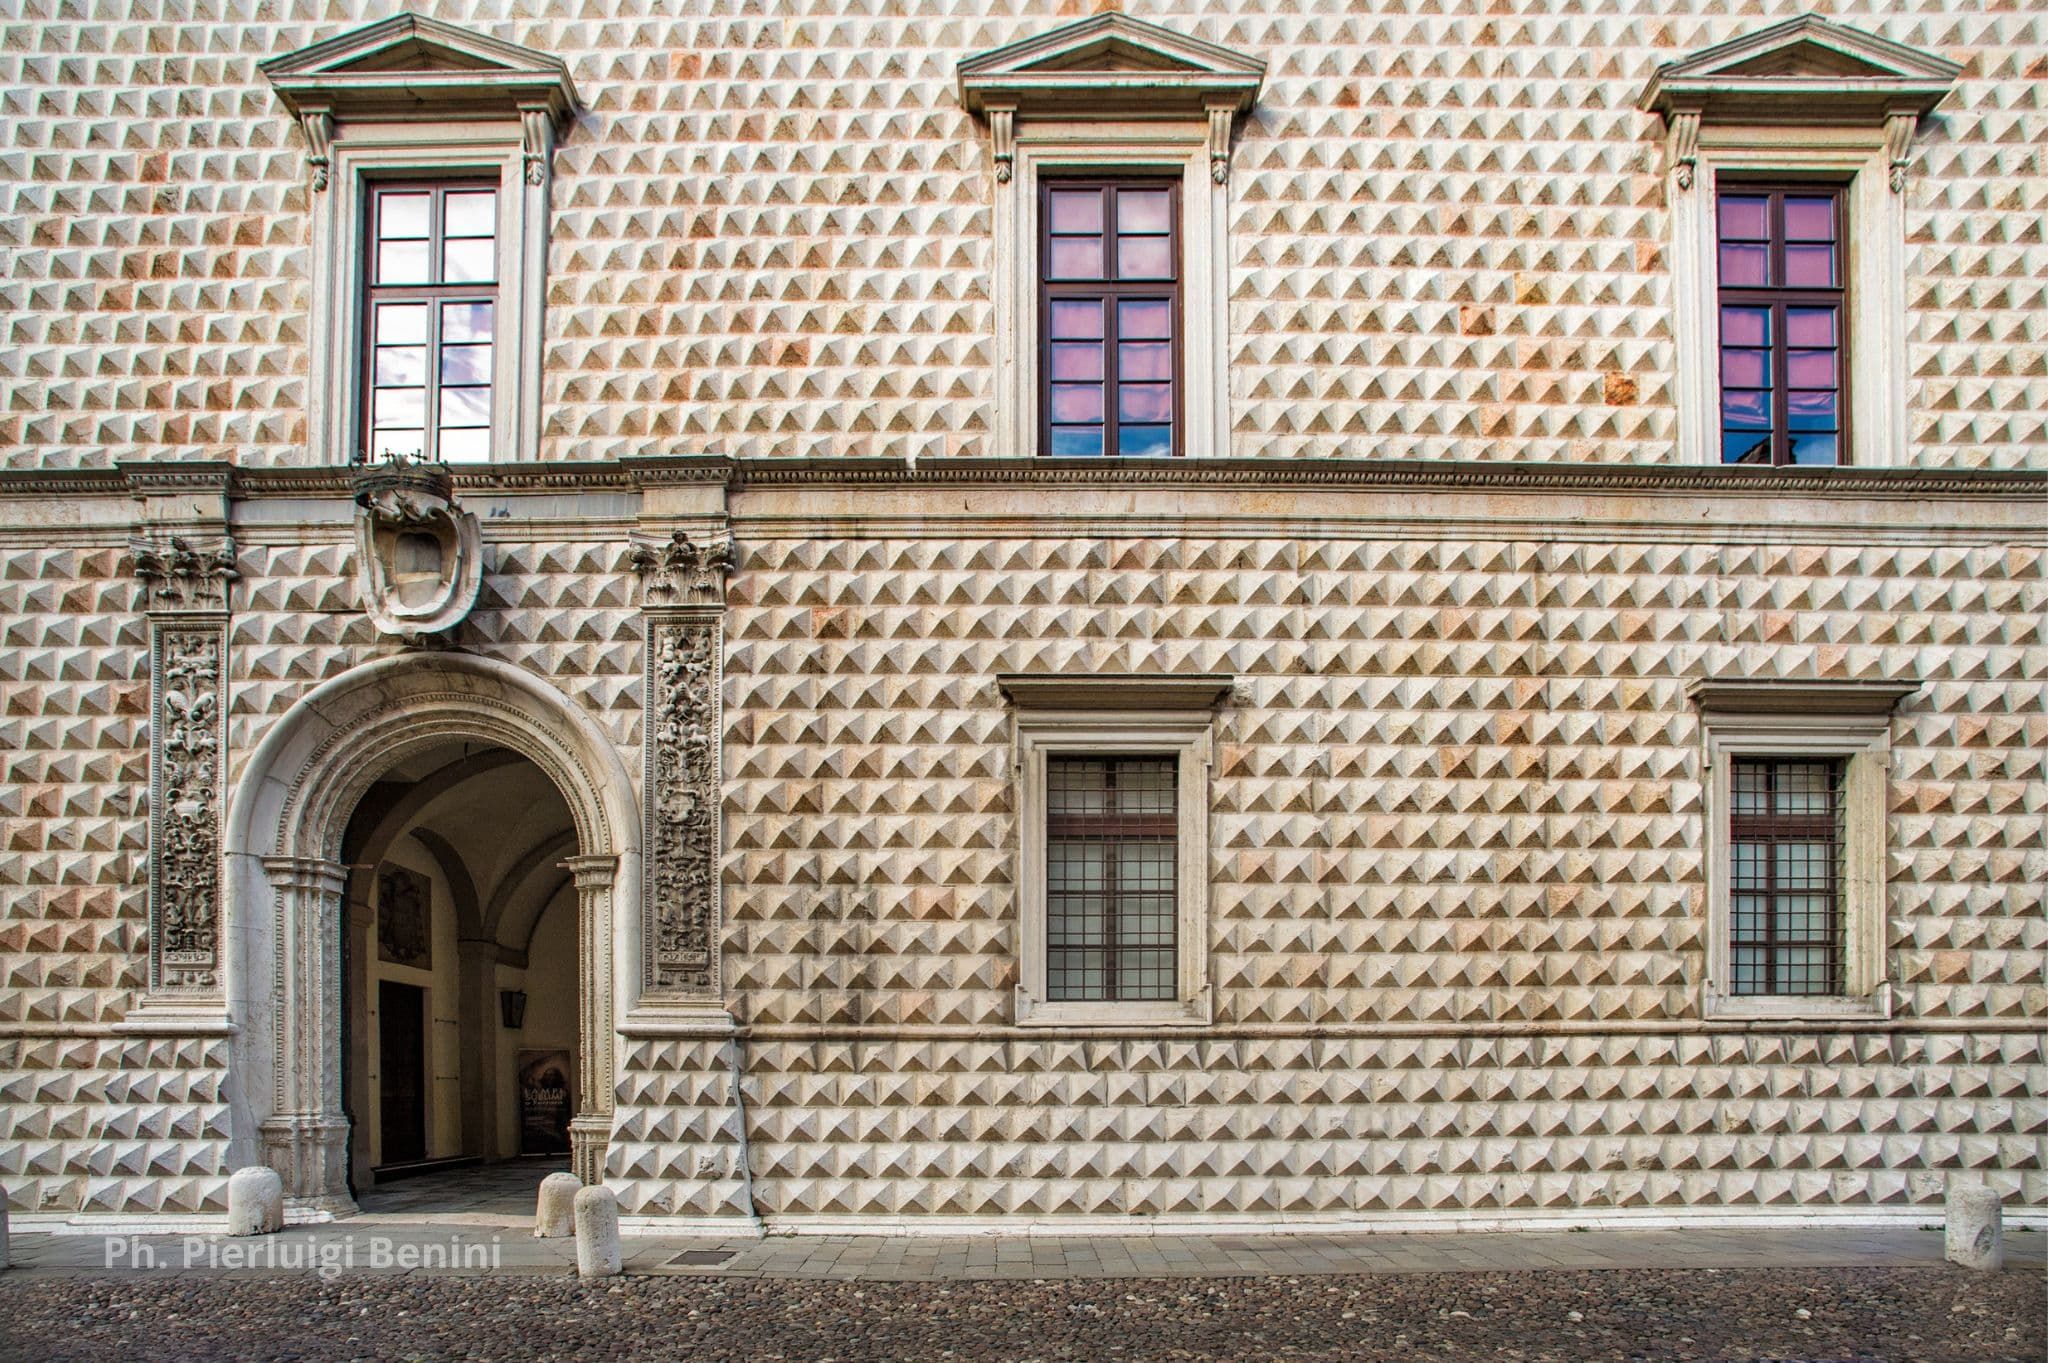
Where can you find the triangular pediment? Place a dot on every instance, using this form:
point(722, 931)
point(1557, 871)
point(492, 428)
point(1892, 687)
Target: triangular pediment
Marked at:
point(1806, 66)
point(1113, 59)
point(410, 58)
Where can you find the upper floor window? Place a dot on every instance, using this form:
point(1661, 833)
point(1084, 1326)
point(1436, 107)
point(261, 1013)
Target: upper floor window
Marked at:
point(1109, 261)
point(430, 321)
point(1783, 318)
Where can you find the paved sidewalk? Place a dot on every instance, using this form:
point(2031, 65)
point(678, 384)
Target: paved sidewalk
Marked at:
point(385, 1244)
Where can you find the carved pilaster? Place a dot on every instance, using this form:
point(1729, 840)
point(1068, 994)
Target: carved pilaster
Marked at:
point(590, 1129)
point(684, 592)
point(185, 592)
point(306, 1136)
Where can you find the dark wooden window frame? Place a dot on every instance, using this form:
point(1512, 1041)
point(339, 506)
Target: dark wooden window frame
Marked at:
point(1770, 828)
point(474, 291)
point(1777, 298)
point(1112, 828)
point(1112, 289)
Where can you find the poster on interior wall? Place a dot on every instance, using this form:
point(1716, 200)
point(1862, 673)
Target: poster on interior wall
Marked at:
point(545, 1102)
point(404, 918)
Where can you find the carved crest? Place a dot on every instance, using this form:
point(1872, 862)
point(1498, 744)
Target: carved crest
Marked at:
point(419, 555)
point(680, 571)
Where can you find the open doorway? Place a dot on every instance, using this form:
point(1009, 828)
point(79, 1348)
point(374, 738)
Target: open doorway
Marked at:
point(460, 982)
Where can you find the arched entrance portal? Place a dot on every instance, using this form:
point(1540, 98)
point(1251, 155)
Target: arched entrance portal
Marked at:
point(338, 752)
point(460, 1037)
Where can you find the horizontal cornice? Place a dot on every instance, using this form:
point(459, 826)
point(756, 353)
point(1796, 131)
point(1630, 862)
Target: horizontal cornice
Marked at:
point(635, 474)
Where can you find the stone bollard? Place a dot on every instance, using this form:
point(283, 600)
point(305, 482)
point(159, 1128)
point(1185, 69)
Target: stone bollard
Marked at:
point(597, 1233)
point(1975, 1234)
point(556, 1215)
point(255, 1201)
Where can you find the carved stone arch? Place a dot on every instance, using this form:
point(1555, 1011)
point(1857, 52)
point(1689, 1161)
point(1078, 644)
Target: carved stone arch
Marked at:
point(285, 880)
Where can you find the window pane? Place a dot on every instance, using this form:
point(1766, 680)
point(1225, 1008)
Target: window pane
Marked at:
point(1744, 448)
point(1077, 402)
point(1813, 449)
point(1144, 258)
point(465, 406)
point(1145, 319)
point(1145, 442)
point(399, 407)
point(1145, 402)
point(465, 322)
point(1745, 326)
point(1746, 368)
point(472, 214)
point(403, 216)
point(1076, 210)
point(1745, 216)
point(1812, 411)
point(410, 443)
point(1810, 267)
point(1143, 210)
point(466, 364)
point(401, 324)
point(1810, 326)
point(466, 260)
point(1745, 410)
point(1811, 369)
point(1809, 219)
point(1077, 360)
point(470, 446)
point(1076, 258)
point(402, 262)
point(1077, 319)
point(1076, 442)
point(400, 366)
point(1744, 266)
point(1147, 360)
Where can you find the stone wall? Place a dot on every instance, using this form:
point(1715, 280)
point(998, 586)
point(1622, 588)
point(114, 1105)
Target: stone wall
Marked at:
point(772, 230)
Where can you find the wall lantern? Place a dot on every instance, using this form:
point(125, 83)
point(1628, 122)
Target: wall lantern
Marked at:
point(512, 1008)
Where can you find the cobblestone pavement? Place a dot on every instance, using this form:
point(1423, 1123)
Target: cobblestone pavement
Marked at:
point(1571, 1316)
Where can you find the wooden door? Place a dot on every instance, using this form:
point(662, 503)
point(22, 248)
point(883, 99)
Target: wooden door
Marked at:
point(402, 1070)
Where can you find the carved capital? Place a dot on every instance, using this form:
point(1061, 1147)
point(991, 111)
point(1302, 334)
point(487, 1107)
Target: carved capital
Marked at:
point(179, 576)
point(592, 872)
point(683, 802)
point(680, 571)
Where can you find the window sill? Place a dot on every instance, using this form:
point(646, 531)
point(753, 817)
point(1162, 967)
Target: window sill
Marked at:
point(1165, 1013)
point(1875, 1006)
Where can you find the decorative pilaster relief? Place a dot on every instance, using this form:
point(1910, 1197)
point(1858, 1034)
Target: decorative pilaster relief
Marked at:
point(1002, 137)
point(1685, 146)
point(683, 596)
point(185, 593)
point(1898, 146)
point(318, 125)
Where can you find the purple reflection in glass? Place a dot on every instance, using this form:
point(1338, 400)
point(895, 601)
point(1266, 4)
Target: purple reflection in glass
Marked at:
point(1076, 360)
point(1144, 360)
point(1077, 402)
point(1810, 326)
point(1745, 266)
point(1077, 319)
point(1810, 267)
point(1141, 210)
point(1809, 219)
point(1745, 217)
point(1745, 368)
point(1145, 319)
point(1077, 257)
point(1811, 369)
point(1145, 402)
point(1748, 411)
point(1745, 326)
point(1144, 258)
point(1077, 210)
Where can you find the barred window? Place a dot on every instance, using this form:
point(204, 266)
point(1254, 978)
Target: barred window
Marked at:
point(1785, 844)
point(431, 321)
point(1111, 900)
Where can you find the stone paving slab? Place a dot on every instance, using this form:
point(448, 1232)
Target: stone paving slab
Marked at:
point(389, 1245)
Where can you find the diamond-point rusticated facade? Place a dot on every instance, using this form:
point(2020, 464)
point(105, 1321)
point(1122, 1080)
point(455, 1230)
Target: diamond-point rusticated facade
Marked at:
point(1470, 625)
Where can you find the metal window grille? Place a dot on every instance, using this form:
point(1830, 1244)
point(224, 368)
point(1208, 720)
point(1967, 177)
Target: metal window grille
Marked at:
point(1785, 890)
point(1111, 892)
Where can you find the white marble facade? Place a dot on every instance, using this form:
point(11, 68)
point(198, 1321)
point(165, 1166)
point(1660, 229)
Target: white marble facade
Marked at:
point(747, 596)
